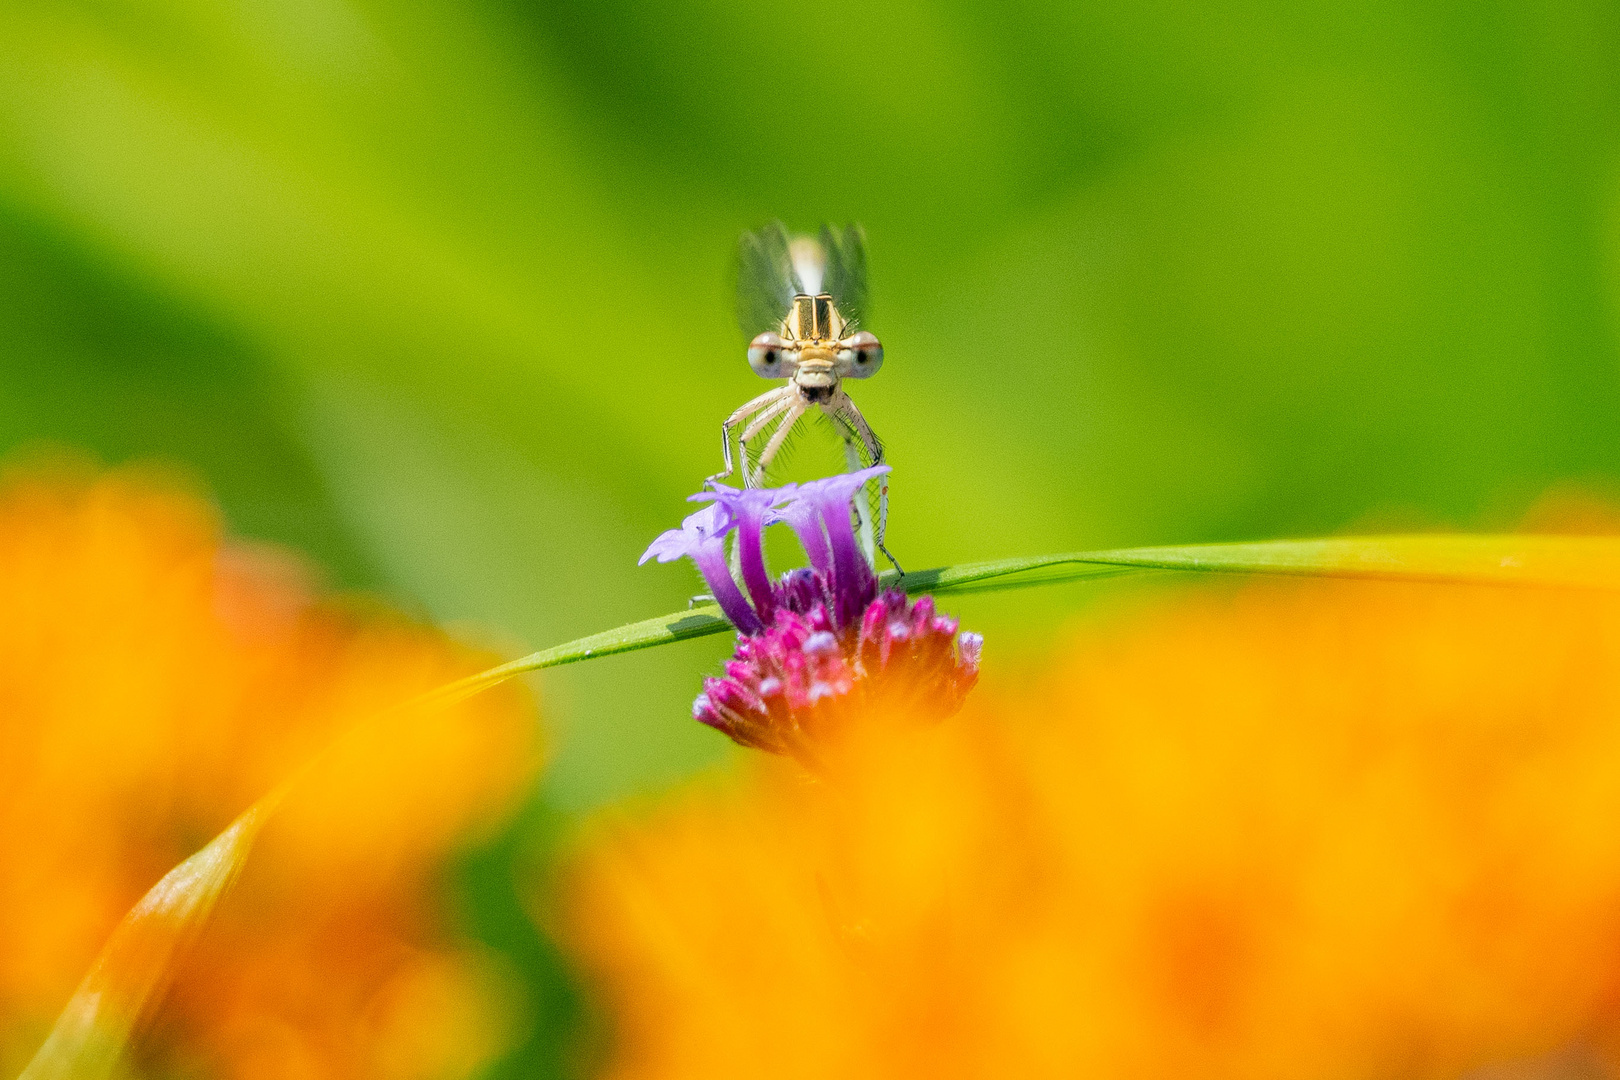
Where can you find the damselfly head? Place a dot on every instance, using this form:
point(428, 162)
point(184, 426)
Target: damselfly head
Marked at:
point(814, 348)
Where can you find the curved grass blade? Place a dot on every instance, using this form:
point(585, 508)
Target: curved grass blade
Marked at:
point(137, 962)
point(699, 621)
point(134, 968)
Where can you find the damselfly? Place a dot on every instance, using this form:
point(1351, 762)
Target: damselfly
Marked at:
point(801, 300)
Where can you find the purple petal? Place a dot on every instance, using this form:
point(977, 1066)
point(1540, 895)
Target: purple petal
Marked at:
point(710, 523)
point(840, 487)
point(701, 538)
point(711, 563)
point(748, 508)
point(804, 518)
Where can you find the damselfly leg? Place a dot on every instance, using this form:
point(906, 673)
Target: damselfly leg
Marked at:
point(858, 437)
point(767, 400)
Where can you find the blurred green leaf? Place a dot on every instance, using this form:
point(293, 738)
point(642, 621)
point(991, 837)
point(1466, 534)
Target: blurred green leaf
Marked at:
point(94, 361)
point(1144, 273)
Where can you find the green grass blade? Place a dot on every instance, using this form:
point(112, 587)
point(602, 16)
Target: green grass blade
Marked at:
point(699, 621)
point(1589, 562)
point(1539, 561)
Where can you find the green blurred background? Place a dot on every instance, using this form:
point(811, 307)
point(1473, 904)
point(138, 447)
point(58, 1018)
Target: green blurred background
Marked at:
point(438, 292)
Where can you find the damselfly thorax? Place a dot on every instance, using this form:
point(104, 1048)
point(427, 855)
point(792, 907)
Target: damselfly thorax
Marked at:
point(801, 300)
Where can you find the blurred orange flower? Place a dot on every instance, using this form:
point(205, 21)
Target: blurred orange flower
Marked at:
point(1330, 829)
point(154, 681)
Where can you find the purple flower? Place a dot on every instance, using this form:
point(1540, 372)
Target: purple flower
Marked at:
point(747, 509)
point(820, 648)
point(702, 538)
point(820, 514)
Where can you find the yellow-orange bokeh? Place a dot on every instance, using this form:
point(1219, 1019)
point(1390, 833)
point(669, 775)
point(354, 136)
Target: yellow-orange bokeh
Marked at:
point(1321, 829)
point(155, 680)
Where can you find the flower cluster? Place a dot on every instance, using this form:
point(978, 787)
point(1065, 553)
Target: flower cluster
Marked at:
point(821, 643)
point(157, 677)
point(1325, 829)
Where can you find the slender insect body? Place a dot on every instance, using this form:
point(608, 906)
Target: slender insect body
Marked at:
point(801, 299)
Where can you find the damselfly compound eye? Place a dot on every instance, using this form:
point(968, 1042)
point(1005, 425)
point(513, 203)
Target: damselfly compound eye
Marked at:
point(770, 357)
point(859, 355)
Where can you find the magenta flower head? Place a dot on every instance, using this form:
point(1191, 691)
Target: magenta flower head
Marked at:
point(820, 647)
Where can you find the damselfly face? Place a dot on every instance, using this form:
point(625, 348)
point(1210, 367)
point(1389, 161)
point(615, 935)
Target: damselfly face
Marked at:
point(801, 301)
point(856, 356)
